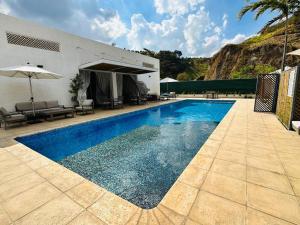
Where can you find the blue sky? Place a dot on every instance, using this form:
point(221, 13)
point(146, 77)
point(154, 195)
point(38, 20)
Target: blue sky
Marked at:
point(196, 27)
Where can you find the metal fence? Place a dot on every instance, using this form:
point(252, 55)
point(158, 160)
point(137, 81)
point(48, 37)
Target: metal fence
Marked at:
point(266, 93)
point(239, 86)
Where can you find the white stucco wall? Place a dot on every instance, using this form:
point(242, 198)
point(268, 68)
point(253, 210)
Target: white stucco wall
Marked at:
point(74, 51)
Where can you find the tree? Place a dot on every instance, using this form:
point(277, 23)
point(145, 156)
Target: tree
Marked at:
point(285, 8)
point(75, 86)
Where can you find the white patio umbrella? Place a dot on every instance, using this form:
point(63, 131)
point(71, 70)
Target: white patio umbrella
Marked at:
point(296, 52)
point(167, 80)
point(30, 72)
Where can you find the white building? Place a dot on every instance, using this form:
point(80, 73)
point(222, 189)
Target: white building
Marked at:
point(23, 42)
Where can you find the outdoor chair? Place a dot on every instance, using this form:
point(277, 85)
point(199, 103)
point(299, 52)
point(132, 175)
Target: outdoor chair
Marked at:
point(44, 109)
point(86, 107)
point(117, 103)
point(172, 94)
point(164, 97)
point(138, 100)
point(296, 126)
point(8, 118)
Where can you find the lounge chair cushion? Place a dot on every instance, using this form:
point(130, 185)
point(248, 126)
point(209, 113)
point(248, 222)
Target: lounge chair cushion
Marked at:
point(52, 104)
point(40, 105)
point(57, 111)
point(84, 108)
point(24, 106)
point(15, 118)
point(296, 126)
point(4, 112)
point(87, 102)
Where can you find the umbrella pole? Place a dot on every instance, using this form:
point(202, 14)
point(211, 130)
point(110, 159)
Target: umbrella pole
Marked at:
point(31, 96)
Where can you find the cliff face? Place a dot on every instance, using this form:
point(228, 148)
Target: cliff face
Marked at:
point(266, 48)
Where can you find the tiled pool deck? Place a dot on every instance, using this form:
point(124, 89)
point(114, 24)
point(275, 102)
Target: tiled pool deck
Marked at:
point(247, 172)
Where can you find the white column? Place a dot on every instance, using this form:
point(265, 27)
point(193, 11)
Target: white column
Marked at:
point(114, 85)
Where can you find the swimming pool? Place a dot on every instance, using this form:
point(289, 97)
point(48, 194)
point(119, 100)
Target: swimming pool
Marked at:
point(137, 155)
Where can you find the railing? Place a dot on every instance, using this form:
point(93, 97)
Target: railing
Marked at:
point(239, 86)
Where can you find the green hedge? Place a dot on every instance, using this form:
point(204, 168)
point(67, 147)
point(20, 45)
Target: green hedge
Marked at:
point(240, 86)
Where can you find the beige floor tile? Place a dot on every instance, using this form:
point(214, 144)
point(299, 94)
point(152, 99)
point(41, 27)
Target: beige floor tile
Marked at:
point(292, 169)
point(232, 156)
point(19, 184)
point(235, 140)
point(202, 162)
point(59, 211)
point(144, 218)
point(4, 219)
point(262, 153)
point(51, 170)
point(210, 209)
point(193, 176)
point(272, 202)
point(38, 163)
point(10, 173)
point(86, 218)
point(255, 217)
point(269, 179)
point(190, 222)
point(22, 152)
point(180, 198)
point(86, 193)
point(4, 156)
point(9, 164)
point(290, 157)
point(296, 185)
point(112, 209)
point(29, 200)
point(208, 151)
point(260, 144)
point(162, 219)
point(230, 169)
point(152, 218)
point(234, 147)
point(265, 164)
point(135, 218)
point(66, 180)
point(174, 217)
point(227, 187)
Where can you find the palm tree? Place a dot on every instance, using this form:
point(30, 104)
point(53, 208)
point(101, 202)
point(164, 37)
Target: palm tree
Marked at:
point(285, 8)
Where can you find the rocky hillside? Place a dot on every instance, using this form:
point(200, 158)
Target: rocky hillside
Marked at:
point(264, 49)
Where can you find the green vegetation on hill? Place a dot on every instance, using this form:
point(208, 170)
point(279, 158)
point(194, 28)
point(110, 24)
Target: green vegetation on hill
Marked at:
point(234, 61)
point(251, 71)
point(173, 65)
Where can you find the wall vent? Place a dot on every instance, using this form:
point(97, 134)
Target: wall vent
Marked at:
point(148, 65)
point(22, 40)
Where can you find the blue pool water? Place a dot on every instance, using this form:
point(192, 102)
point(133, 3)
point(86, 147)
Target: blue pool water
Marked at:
point(137, 155)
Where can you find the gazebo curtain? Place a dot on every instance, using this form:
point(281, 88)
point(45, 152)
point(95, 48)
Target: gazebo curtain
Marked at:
point(103, 90)
point(120, 84)
point(86, 79)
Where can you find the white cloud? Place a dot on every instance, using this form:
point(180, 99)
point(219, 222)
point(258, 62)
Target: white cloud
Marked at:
point(103, 25)
point(179, 7)
point(4, 8)
point(113, 26)
point(236, 39)
point(187, 25)
point(225, 20)
point(164, 35)
point(194, 34)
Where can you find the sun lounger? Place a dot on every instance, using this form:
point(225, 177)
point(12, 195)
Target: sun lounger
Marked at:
point(86, 106)
point(8, 118)
point(164, 97)
point(296, 126)
point(44, 109)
